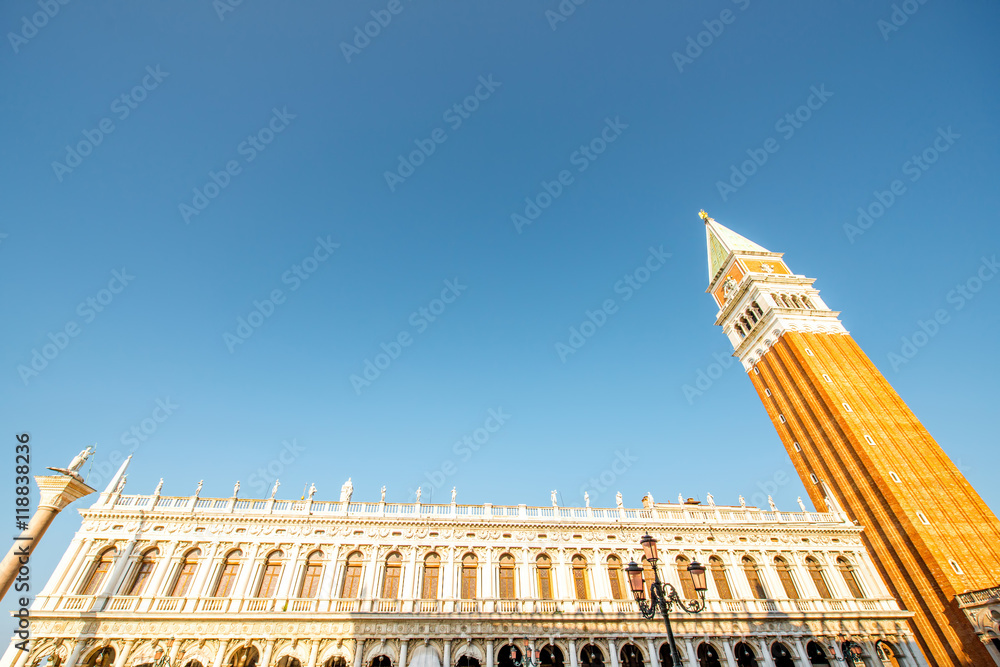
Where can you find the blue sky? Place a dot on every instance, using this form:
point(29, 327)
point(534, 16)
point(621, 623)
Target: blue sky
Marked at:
point(263, 104)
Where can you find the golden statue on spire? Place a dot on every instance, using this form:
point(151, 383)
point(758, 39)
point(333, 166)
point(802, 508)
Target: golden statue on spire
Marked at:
point(704, 216)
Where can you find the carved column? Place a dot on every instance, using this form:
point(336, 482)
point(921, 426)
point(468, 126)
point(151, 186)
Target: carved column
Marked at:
point(113, 579)
point(123, 654)
point(800, 647)
point(313, 650)
point(765, 651)
point(221, 653)
point(359, 649)
point(446, 662)
point(613, 652)
point(402, 652)
point(265, 660)
point(288, 574)
point(489, 653)
point(75, 653)
point(654, 659)
point(692, 654)
point(574, 658)
point(728, 650)
point(329, 573)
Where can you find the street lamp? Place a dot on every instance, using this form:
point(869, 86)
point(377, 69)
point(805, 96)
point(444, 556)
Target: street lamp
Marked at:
point(663, 596)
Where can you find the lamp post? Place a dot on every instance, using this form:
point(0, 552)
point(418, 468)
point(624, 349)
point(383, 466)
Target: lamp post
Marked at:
point(663, 596)
point(526, 660)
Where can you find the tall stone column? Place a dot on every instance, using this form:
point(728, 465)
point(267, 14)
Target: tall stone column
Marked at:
point(613, 652)
point(801, 648)
point(727, 647)
point(765, 651)
point(313, 651)
point(402, 652)
point(221, 653)
point(123, 654)
point(359, 650)
point(265, 660)
point(654, 659)
point(74, 655)
point(574, 657)
point(489, 653)
point(57, 491)
point(692, 653)
point(447, 654)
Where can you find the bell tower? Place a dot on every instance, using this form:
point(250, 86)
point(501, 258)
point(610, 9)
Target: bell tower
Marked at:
point(856, 445)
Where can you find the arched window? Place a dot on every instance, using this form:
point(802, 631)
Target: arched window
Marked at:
point(432, 565)
point(508, 654)
point(543, 566)
point(756, 309)
point(352, 575)
point(753, 316)
point(380, 661)
point(631, 656)
point(719, 577)
point(227, 574)
point(667, 660)
point(687, 583)
point(390, 580)
point(580, 577)
point(185, 573)
point(886, 654)
point(98, 571)
point(816, 654)
point(103, 657)
point(288, 661)
point(247, 656)
point(753, 578)
point(807, 303)
point(781, 655)
point(550, 656)
point(142, 572)
point(745, 655)
point(268, 585)
point(796, 302)
point(615, 577)
point(708, 656)
point(507, 591)
point(591, 656)
point(785, 575)
point(311, 575)
point(816, 574)
point(335, 661)
point(850, 577)
point(470, 568)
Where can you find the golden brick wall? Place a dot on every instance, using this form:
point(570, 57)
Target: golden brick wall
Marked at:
point(913, 556)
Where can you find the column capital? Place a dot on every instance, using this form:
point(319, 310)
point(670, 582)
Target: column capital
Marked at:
point(58, 491)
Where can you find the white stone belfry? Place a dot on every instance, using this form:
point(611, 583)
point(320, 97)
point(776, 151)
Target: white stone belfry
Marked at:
point(759, 298)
